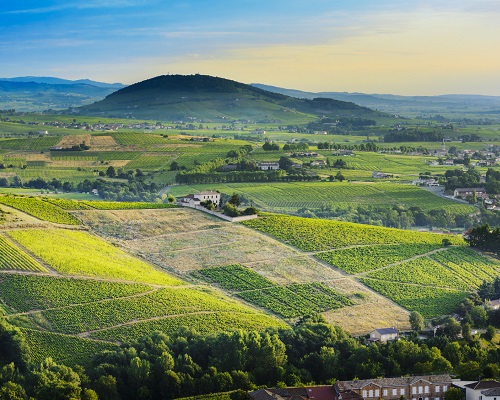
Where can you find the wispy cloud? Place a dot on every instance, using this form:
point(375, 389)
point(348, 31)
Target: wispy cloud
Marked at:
point(80, 6)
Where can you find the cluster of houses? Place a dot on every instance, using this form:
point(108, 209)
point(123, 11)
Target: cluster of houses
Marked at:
point(491, 203)
point(428, 387)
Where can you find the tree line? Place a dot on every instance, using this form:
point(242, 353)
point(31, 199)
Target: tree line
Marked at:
point(187, 363)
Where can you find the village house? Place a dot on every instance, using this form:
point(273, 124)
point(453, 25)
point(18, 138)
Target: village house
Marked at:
point(318, 163)
point(381, 175)
point(431, 387)
point(465, 192)
point(481, 390)
point(193, 200)
point(495, 304)
point(268, 165)
point(384, 335)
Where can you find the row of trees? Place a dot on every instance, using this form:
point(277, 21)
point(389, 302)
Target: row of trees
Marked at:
point(187, 363)
point(484, 238)
point(390, 216)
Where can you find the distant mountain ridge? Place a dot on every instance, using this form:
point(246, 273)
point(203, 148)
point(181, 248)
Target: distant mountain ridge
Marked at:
point(41, 93)
point(398, 103)
point(59, 81)
point(207, 97)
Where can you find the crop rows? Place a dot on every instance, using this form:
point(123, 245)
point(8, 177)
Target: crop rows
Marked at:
point(161, 303)
point(362, 259)
point(62, 349)
point(429, 301)
point(67, 204)
point(421, 271)
point(12, 258)
point(79, 253)
point(235, 277)
point(296, 300)
point(468, 265)
point(317, 235)
point(203, 323)
point(26, 292)
point(39, 209)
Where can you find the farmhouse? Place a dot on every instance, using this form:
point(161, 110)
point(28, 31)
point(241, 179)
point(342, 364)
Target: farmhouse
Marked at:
point(195, 199)
point(268, 165)
point(380, 175)
point(318, 163)
point(465, 192)
point(384, 335)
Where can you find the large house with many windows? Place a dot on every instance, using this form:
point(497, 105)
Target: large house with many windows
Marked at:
point(430, 387)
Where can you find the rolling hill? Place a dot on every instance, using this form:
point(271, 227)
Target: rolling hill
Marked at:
point(202, 97)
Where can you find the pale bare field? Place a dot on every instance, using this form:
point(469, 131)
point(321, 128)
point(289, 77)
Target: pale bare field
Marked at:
point(182, 241)
point(74, 140)
point(104, 142)
point(137, 224)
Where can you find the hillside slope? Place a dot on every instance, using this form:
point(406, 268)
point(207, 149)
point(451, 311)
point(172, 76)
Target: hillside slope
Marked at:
point(174, 97)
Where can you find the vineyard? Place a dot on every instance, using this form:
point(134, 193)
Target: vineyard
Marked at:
point(40, 209)
point(209, 322)
point(429, 301)
point(318, 235)
point(288, 301)
point(23, 293)
point(410, 268)
point(11, 258)
point(65, 349)
point(79, 253)
point(362, 259)
point(292, 196)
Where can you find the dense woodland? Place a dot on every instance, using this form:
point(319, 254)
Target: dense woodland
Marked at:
point(162, 367)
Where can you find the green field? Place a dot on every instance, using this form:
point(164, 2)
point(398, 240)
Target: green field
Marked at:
point(288, 301)
point(79, 253)
point(40, 209)
point(317, 235)
point(366, 258)
point(68, 350)
point(290, 197)
point(12, 258)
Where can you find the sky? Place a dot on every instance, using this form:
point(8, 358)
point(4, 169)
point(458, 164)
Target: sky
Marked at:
point(418, 47)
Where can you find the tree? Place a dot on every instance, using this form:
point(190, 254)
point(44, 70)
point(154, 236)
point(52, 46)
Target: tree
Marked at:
point(235, 200)
point(340, 177)
point(12, 391)
point(416, 321)
point(454, 394)
point(490, 332)
point(174, 166)
point(111, 172)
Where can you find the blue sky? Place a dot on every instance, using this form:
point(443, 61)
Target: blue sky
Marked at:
point(402, 47)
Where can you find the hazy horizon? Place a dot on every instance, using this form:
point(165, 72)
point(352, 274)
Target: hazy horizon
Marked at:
point(384, 47)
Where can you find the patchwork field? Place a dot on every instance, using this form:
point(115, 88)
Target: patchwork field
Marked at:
point(292, 196)
point(413, 269)
point(187, 246)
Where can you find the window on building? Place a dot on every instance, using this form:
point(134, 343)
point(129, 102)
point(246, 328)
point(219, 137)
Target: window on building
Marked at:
point(438, 388)
point(377, 393)
point(420, 389)
point(394, 392)
point(385, 392)
point(370, 393)
point(364, 393)
point(402, 392)
point(445, 388)
point(414, 390)
point(426, 389)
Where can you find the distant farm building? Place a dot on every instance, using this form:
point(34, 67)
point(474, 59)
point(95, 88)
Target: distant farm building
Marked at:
point(268, 166)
